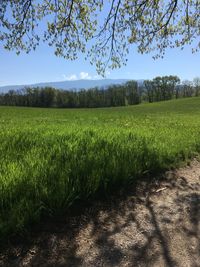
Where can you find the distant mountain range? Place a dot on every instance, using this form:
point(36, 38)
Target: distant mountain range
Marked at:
point(68, 85)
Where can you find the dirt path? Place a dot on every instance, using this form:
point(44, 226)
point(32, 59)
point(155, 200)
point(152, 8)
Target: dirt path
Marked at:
point(156, 224)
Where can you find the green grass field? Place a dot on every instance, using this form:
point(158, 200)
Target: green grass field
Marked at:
point(50, 158)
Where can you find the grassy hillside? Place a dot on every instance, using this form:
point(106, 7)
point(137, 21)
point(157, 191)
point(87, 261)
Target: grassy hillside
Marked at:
point(51, 157)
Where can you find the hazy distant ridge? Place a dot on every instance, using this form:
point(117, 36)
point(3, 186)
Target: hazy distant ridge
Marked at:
point(67, 85)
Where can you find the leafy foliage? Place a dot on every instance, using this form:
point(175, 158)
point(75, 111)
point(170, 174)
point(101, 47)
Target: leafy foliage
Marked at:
point(163, 88)
point(73, 26)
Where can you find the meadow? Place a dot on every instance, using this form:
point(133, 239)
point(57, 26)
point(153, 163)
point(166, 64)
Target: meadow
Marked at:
point(50, 158)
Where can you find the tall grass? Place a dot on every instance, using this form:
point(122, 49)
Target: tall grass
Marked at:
point(49, 157)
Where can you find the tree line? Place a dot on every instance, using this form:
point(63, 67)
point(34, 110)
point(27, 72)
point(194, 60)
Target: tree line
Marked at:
point(169, 87)
point(114, 95)
point(129, 93)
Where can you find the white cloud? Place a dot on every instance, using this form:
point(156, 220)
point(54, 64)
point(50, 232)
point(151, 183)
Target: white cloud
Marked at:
point(82, 75)
point(107, 73)
point(85, 75)
point(72, 77)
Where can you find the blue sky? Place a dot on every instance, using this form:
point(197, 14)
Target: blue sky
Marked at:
point(43, 66)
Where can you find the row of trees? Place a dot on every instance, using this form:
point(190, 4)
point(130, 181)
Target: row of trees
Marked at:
point(115, 95)
point(130, 93)
point(169, 87)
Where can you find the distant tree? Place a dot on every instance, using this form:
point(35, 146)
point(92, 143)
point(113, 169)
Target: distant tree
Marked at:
point(157, 84)
point(162, 88)
point(170, 83)
point(47, 97)
point(10, 98)
point(149, 89)
point(132, 93)
point(196, 83)
point(68, 25)
point(187, 88)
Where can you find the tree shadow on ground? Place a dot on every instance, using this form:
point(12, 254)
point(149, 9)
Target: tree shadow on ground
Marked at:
point(155, 223)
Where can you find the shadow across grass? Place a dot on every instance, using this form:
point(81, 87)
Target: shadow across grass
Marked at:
point(153, 223)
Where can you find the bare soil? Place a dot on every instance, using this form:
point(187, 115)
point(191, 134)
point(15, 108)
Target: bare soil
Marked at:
point(155, 223)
